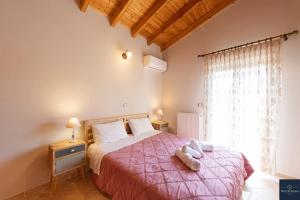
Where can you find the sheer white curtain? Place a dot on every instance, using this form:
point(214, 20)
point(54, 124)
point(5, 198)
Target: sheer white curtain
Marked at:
point(242, 96)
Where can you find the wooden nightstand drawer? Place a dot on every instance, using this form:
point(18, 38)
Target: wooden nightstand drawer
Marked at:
point(69, 162)
point(160, 125)
point(164, 125)
point(65, 152)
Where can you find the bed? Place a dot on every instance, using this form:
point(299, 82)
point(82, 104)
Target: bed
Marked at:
point(145, 167)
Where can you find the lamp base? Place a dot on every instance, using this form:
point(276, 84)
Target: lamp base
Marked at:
point(73, 140)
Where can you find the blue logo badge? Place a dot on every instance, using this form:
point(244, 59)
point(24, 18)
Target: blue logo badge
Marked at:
point(289, 189)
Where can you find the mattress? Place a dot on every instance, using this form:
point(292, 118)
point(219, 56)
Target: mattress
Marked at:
point(149, 169)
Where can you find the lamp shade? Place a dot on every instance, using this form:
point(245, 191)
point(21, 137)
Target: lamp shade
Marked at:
point(73, 123)
point(160, 112)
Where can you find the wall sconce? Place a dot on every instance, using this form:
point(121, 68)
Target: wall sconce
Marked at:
point(126, 54)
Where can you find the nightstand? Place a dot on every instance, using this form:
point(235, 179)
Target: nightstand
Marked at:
point(66, 156)
point(160, 125)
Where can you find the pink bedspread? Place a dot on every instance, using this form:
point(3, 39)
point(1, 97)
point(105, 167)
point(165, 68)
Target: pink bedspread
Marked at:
point(149, 169)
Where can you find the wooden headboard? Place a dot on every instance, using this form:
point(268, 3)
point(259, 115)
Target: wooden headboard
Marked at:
point(88, 134)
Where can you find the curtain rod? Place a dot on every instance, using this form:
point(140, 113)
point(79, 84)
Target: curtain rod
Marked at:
point(284, 36)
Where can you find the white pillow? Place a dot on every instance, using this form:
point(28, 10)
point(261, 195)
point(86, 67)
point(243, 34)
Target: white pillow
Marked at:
point(109, 132)
point(140, 126)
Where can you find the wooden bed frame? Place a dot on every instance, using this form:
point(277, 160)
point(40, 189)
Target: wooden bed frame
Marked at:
point(88, 134)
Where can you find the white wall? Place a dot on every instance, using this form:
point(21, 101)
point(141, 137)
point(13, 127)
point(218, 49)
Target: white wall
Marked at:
point(244, 21)
point(57, 62)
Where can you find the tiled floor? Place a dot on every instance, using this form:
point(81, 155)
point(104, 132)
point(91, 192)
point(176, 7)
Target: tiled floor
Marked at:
point(74, 188)
point(70, 187)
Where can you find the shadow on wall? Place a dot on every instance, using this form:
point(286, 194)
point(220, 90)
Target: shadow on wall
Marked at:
point(54, 132)
point(20, 173)
point(27, 170)
point(77, 2)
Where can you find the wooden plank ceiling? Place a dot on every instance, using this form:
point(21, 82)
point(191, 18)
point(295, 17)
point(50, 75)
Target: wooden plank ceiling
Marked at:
point(163, 22)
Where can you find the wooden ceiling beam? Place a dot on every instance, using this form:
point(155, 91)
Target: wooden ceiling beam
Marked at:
point(198, 22)
point(187, 7)
point(147, 17)
point(84, 4)
point(115, 17)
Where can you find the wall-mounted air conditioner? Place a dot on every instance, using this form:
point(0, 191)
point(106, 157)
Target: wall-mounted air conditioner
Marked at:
point(153, 63)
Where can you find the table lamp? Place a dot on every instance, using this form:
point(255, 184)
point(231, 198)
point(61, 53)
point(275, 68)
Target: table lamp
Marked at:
point(73, 123)
point(160, 112)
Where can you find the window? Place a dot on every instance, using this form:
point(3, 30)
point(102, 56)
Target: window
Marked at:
point(242, 101)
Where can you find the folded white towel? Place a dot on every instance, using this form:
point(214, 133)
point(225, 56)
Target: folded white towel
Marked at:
point(206, 146)
point(196, 146)
point(187, 149)
point(201, 146)
point(188, 160)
